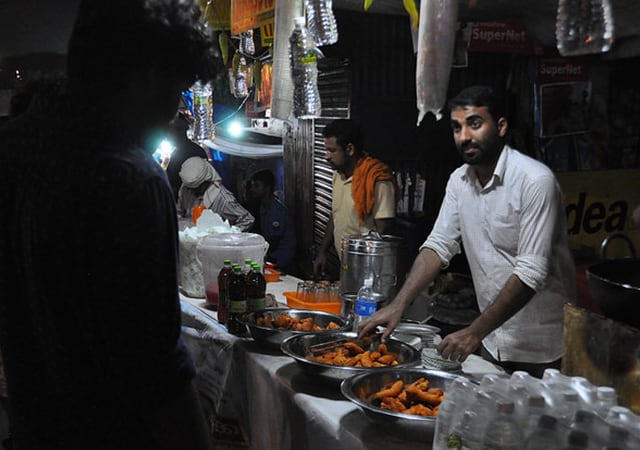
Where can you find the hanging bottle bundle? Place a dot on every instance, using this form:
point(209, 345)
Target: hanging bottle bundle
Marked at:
point(247, 46)
point(321, 22)
point(241, 76)
point(303, 57)
point(584, 26)
point(202, 111)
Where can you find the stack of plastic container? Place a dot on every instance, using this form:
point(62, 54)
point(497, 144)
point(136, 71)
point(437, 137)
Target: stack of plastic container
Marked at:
point(523, 412)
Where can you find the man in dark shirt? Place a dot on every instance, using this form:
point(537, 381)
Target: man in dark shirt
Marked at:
point(89, 309)
point(275, 224)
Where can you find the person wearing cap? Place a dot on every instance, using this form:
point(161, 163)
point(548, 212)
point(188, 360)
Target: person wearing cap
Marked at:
point(202, 185)
point(274, 222)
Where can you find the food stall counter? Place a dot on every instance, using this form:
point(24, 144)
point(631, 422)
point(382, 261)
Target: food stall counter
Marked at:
point(278, 405)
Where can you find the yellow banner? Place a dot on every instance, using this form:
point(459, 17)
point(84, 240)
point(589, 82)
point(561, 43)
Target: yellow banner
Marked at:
point(246, 14)
point(599, 203)
point(266, 34)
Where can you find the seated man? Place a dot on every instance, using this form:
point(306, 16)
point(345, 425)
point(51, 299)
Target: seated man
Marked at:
point(274, 223)
point(202, 185)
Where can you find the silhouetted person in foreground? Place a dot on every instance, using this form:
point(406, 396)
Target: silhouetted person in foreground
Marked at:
point(89, 307)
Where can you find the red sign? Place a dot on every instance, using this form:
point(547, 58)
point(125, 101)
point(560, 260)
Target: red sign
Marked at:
point(246, 14)
point(507, 36)
point(559, 70)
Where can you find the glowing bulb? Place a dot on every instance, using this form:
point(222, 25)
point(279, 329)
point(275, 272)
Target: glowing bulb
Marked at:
point(235, 129)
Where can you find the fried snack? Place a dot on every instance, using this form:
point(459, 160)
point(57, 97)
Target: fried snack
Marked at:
point(416, 398)
point(392, 404)
point(286, 322)
point(390, 390)
point(352, 355)
point(420, 410)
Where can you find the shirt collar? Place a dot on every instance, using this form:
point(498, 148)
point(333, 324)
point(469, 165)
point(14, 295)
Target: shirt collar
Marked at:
point(498, 171)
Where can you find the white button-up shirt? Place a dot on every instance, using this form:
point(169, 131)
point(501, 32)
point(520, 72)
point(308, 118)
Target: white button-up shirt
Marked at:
point(515, 224)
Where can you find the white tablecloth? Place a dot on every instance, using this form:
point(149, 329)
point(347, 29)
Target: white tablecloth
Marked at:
point(277, 404)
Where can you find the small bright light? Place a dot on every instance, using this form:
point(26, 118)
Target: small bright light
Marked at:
point(162, 154)
point(235, 129)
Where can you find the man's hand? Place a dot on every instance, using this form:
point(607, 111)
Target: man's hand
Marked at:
point(460, 344)
point(389, 317)
point(319, 265)
point(511, 299)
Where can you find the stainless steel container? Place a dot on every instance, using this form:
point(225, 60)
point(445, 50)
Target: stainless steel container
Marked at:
point(384, 256)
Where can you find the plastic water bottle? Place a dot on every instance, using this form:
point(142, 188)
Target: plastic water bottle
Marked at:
point(247, 46)
point(586, 391)
point(504, 432)
point(202, 111)
point(459, 395)
point(321, 21)
point(520, 397)
point(624, 417)
point(545, 435)
point(606, 399)
point(484, 406)
point(241, 78)
point(366, 302)
point(522, 378)
point(584, 26)
point(494, 382)
point(567, 408)
point(461, 435)
point(303, 57)
point(619, 438)
point(592, 425)
point(536, 408)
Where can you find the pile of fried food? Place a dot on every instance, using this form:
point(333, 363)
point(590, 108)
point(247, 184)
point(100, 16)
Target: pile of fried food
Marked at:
point(416, 398)
point(352, 354)
point(286, 322)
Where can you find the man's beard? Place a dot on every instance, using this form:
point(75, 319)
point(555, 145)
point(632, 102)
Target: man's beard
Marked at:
point(472, 158)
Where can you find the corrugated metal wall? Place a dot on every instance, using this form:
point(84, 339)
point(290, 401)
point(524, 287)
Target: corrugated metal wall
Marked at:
point(305, 164)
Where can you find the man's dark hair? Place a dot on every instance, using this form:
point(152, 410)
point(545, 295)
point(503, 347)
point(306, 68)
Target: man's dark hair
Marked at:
point(479, 96)
point(266, 177)
point(346, 132)
point(113, 38)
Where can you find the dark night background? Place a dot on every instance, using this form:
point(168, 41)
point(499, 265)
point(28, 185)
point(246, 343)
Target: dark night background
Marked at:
point(33, 36)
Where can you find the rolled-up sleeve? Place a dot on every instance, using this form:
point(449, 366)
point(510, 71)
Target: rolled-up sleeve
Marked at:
point(537, 232)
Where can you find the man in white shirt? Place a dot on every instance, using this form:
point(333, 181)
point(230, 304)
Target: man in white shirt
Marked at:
point(202, 185)
point(508, 211)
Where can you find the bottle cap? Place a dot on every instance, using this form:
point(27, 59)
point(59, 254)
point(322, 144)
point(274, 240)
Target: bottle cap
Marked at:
point(606, 392)
point(578, 438)
point(299, 21)
point(547, 422)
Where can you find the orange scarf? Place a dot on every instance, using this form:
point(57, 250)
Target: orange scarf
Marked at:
point(368, 171)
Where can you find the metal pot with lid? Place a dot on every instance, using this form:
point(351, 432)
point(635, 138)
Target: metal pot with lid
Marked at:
point(384, 256)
